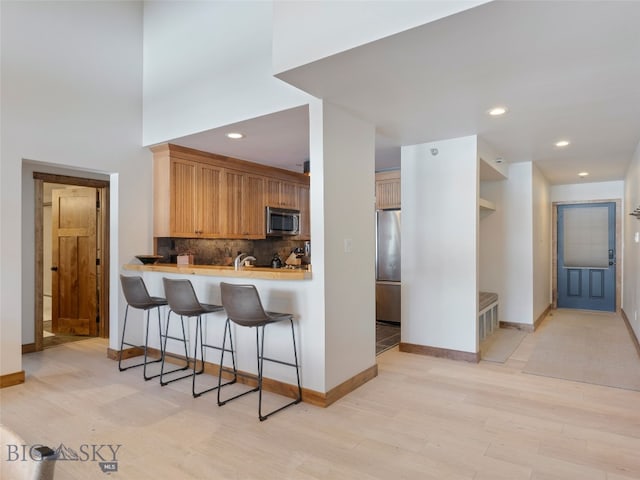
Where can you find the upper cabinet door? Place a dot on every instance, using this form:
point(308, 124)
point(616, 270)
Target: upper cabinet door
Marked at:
point(195, 199)
point(388, 189)
point(234, 190)
point(282, 194)
point(184, 187)
point(244, 205)
point(305, 212)
point(289, 195)
point(209, 204)
point(253, 211)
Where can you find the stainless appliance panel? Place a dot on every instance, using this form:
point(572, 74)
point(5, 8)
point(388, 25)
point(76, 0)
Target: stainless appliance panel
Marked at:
point(388, 301)
point(388, 245)
point(282, 221)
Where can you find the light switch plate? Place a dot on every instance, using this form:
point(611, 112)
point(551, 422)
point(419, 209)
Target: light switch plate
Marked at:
point(348, 245)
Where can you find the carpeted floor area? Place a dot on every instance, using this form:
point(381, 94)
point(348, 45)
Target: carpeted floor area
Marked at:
point(590, 347)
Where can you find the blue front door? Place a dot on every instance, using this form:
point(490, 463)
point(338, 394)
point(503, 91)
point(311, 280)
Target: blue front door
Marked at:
point(587, 256)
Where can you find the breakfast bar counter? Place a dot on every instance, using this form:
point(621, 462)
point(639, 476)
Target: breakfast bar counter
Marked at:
point(264, 273)
point(281, 290)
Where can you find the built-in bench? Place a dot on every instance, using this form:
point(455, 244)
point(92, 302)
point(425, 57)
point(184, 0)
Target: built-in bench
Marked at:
point(488, 314)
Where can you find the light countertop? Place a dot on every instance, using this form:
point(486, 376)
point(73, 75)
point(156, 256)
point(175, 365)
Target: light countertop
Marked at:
point(224, 271)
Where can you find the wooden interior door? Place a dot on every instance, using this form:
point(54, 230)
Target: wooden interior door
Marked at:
point(74, 280)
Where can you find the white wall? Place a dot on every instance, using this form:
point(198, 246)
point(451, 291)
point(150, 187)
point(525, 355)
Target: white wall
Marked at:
point(308, 31)
point(541, 218)
point(208, 64)
point(517, 303)
point(71, 97)
point(631, 248)
point(578, 192)
point(343, 189)
point(439, 244)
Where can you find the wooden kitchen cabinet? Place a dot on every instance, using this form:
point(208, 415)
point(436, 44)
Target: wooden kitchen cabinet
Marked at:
point(186, 198)
point(205, 195)
point(282, 194)
point(244, 211)
point(388, 189)
point(209, 206)
point(182, 214)
point(305, 210)
point(194, 200)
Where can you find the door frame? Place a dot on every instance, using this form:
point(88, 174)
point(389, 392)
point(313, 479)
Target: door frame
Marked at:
point(618, 233)
point(102, 236)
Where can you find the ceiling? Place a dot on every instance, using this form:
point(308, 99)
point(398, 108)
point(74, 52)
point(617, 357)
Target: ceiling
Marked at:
point(564, 70)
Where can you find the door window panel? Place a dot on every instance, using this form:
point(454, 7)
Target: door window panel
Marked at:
point(586, 239)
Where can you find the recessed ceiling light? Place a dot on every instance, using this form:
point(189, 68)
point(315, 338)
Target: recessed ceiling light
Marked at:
point(583, 174)
point(499, 160)
point(497, 111)
point(562, 143)
point(235, 135)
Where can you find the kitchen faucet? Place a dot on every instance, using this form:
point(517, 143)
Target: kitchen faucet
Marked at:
point(240, 259)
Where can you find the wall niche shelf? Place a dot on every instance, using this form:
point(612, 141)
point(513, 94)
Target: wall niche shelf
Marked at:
point(486, 207)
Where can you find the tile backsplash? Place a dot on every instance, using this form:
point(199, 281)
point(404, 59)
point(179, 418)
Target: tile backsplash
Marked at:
point(222, 251)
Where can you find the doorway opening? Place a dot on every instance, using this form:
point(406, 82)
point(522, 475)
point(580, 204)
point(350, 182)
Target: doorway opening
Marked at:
point(586, 239)
point(71, 259)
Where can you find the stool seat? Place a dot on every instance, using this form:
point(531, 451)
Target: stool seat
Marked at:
point(202, 309)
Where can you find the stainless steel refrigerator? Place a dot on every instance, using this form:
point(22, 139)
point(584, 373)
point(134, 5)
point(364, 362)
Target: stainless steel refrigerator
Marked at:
point(388, 265)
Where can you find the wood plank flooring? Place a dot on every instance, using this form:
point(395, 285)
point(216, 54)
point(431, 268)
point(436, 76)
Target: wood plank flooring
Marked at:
point(421, 418)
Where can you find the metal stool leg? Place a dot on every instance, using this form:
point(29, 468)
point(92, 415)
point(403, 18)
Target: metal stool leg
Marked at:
point(145, 346)
point(202, 347)
point(227, 327)
point(295, 356)
point(261, 359)
point(164, 352)
point(124, 330)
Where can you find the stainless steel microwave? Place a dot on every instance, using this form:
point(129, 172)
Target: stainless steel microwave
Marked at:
point(282, 221)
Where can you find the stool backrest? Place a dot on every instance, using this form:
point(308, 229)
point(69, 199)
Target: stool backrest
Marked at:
point(181, 297)
point(135, 291)
point(242, 304)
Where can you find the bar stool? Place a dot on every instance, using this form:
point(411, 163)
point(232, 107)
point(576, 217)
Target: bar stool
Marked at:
point(137, 296)
point(243, 306)
point(184, 302)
